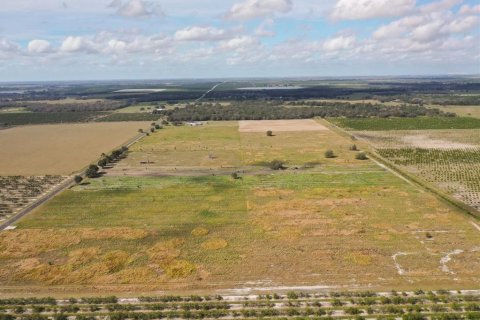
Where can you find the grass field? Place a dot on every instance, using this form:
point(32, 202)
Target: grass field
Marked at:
point(345, 224)
point(222, 144)
point(419, 123)
point(59, 149)
point(463, 111)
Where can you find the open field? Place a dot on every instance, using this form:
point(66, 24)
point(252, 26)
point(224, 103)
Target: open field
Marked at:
point(217, 145)
point(345, 223)
point(59, 149)
point(279, 125)
point(463, 111)
point(187, 233)
point(419, 123)
point(450, 159)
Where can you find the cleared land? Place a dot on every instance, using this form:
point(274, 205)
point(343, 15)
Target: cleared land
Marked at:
point(59, 149)
point(464, 111)
point(279, 125)
point(450, 159)
point(222, 145)
point(345, 223)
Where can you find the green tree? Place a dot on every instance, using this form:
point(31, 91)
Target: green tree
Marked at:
point(269, 133)
point(102, 162)
point(78, 179)
point(329, 154)
point(361, 156)
point(92, 171)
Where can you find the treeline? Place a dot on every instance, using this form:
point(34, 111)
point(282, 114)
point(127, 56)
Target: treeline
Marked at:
point(254, 110)
point(81, 106)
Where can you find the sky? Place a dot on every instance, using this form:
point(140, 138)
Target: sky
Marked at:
point(169, 39)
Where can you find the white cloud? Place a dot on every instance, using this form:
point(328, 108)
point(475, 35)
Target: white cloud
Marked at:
point(76, 44)
point(368, 9)
point(239, 43)
point(38, 46)
point(8, 48)
point(339, 43)
point(251, 9)
point(265, 29)
point(466, 9)
point(200, 34)
point(136, 8)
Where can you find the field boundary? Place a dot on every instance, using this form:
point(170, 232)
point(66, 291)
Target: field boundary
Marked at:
point(64, 185)
point(470, 211)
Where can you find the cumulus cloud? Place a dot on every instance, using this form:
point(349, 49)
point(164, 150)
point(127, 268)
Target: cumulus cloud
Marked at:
point(239, 43)
point(8, 48)
point(339, 43)
point(251, 9)
point(38, 46)
point(368, 9)
point(196, 33)
point(136, 8)
point(76, 44)
point(265, 29)
point(466, 9)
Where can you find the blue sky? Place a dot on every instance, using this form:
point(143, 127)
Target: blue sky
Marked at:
point(154, 39)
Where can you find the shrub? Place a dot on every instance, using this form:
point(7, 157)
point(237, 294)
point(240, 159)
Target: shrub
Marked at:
point(92, 171)
point(276, 165)
point(353, 147)
point(269, 133)
point(78, 179)
point(329, 154)
point(361, 156)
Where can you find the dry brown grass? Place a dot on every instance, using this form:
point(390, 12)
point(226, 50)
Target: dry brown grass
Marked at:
point(214, 244)
point(30, 242)
point(60, 148)
point(200, 231)
point(279, 125)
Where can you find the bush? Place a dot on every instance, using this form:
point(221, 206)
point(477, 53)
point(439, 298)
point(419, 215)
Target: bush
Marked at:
point(78, 179)
point(269, 133)
point(276, 165)
point(329, 154)
point(353, 147)
point(92, 171)
point(361, 156)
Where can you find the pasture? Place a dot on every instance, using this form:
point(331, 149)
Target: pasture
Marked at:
point(344, 223)
point(60, 149)
point(228, 145)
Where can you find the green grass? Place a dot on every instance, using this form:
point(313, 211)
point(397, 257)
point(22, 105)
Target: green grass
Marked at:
point(332, 224)
point(419, 123)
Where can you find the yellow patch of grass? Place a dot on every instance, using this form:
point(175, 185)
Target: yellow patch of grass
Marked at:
point(180, 269)
point(359, 258)
point(82, 256)
point(115, 260)
point(199, 232)
point(165, 252)
point(28, 242)
point(214, 244)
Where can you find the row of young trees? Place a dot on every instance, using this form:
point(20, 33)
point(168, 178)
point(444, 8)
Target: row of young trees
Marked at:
point(93, 170)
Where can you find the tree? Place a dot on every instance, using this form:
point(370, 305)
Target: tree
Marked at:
point(92, 171)
point(269, 133)
point(158, 127)
point(78, 179)
point(102, 162)
point(235, 175)
point(140, 130)
point(361, 156)
point(152, 129)
point(329, 154)
point(353, 147)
